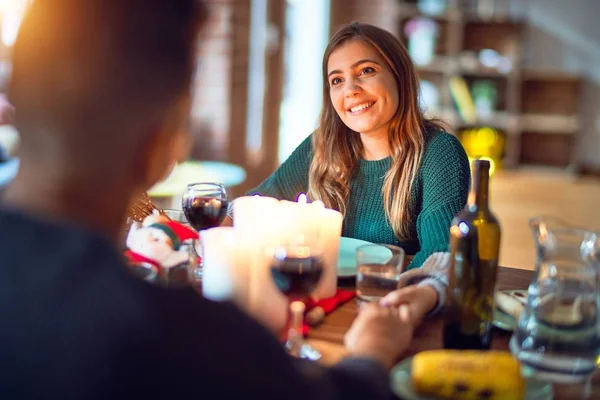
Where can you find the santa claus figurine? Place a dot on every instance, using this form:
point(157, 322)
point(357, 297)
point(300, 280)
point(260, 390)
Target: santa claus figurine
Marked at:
point(159, 241)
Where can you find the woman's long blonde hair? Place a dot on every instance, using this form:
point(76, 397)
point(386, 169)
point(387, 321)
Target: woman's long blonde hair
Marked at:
point(337, 149)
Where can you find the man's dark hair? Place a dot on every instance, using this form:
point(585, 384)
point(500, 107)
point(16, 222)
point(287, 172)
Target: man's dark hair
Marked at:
point(96, 63)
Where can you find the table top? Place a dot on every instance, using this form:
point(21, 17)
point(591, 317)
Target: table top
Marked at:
point(328, 337)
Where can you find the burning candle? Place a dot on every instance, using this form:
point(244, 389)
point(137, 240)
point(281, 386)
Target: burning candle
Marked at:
point(252, 216)
point(330, 232)
point(225, 271)
point(253, 219)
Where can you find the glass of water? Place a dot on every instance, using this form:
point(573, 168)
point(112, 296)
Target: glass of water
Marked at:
point(379, 269)
point(558, 335)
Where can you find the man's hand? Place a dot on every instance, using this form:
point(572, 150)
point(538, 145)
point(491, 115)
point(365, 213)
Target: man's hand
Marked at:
point(419, 300)
point(382, 333)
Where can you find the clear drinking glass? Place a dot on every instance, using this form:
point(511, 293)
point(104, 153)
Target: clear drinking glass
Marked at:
point(558, 335)
point(379, 269)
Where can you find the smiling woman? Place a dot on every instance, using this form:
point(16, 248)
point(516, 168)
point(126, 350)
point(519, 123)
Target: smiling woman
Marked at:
point(397, 177)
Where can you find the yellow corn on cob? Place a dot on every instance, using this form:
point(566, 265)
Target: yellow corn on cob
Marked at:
point(468, 375)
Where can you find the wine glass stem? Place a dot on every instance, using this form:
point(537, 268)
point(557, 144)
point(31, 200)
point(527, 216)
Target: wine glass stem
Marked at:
point(295, 338)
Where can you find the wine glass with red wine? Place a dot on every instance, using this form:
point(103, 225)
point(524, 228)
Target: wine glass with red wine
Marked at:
point(205, 205)
point(297, 269)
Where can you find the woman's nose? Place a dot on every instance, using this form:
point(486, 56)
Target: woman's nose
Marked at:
point(351, 88)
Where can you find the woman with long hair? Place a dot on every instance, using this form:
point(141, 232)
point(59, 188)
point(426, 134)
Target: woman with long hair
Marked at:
point(397, 177)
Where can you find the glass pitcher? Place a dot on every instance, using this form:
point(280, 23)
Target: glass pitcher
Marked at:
point(558, 333)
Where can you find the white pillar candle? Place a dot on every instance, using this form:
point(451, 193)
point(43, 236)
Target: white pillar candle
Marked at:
point(255, 220)
point(298, 221)
point(253, 215)
point(329, 239)
point(225, 271)
point(267, 304)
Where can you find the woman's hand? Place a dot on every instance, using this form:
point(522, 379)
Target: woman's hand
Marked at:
point(420, 300)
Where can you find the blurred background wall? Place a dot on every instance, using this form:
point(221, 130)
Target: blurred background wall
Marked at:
point(260, 85)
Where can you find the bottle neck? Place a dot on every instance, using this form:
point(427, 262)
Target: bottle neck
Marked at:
point(479, 193)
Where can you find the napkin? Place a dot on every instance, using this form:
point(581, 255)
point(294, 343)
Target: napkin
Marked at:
point(328, 305)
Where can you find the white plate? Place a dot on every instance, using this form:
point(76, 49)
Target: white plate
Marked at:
point(503, 320)
point(402, 387)
point(347, 256)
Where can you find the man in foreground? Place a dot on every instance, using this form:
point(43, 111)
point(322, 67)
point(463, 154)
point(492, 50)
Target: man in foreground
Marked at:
point(102, 89)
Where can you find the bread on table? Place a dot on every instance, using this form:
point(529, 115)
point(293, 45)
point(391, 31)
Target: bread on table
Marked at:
point(511, 303)
point(468, 375)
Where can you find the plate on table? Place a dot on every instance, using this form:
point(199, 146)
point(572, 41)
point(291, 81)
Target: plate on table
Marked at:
point(347, 256)
point(402, 386)
point(502, 318)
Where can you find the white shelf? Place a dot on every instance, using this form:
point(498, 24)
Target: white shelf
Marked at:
point(439, 64)
point(550, 124)
point(500, 120)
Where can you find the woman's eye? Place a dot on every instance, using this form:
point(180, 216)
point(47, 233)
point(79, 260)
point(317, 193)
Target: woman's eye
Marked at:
point(367, 70)
point(335, 81)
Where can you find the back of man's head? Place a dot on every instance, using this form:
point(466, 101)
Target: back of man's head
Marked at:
point(89, 75)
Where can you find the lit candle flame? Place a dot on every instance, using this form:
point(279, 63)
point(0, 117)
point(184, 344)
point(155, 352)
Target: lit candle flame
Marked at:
point(302, 199)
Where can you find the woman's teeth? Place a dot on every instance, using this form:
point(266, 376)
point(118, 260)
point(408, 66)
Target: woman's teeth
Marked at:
point(361, 107)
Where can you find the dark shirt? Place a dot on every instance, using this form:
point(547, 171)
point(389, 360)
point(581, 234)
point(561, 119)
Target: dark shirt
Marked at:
point(76, 325)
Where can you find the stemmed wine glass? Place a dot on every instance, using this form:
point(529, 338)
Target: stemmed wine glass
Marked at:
point(205, 206)
point(297, 268)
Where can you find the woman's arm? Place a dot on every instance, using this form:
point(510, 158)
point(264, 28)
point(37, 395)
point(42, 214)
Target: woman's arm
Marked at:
point(289, 180)
point(422, 289)
point(445, 178)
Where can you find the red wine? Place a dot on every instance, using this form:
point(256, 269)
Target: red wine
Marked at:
point(297, 277)
point(204, 212)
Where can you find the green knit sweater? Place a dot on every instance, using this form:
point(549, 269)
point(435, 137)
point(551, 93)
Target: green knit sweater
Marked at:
point(439, 193)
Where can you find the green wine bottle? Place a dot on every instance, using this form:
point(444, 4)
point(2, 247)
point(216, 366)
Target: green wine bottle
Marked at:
point(474, 250)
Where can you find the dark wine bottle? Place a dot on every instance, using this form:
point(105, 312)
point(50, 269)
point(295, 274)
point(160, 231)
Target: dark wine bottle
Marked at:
point(474, 247)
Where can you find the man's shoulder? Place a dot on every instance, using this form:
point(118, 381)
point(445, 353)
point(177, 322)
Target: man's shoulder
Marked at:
point(79, 293)
point(50, 253)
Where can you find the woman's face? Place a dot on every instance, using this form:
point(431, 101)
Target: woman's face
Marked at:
point(362, 87)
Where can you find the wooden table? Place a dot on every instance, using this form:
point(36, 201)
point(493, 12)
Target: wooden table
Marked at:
point(328, 337)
